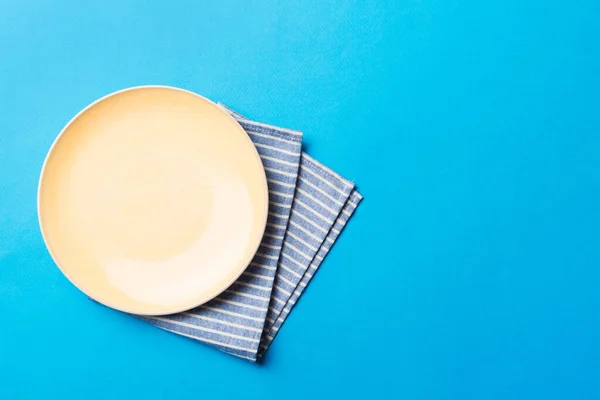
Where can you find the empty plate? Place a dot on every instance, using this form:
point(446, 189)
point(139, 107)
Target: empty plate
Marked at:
point(152, 200)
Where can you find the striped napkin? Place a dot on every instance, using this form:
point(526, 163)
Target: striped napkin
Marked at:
point(309, 205)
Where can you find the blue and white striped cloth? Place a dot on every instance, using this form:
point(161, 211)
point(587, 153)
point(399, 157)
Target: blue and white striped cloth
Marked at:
point(309, 205)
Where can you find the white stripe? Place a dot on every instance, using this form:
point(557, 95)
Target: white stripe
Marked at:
point(289, 270)
point(272, 309)
point(229, 111)
point(286, 195)
point(355, 199)
point(267, 256)
point(264, 157)
point(251, 285)
point(212, 342)
point(282, 290)
point(201, 328)
point(250, 296)
point(295, 262)
point(232, 313)
point(297, 250)
point(277, 226)
point(301, 240)
point(273, 236)
point(313, 223)
point(313, 211)
point(269, 246)
point(272, 127)
point(235, 303)
point(303, 284)
point(274, 203)
point(266, 146)
point(304, 168)
point(320, 166)
point(320, 257)
point(348, 213)
point(276, 182)
point(266, 277)
point(223, 322)
point(283, 278)
point(297, 225)
point(325, 206)
point(336, 231)
point(278, 215)
point(272, 137)
point(278, 300)
point(278, 171)
point(269, 267)
point(240, 356)
point(303, 180)
point(271, 320)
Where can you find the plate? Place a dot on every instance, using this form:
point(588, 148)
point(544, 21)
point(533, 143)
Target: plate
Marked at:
point(152, 200)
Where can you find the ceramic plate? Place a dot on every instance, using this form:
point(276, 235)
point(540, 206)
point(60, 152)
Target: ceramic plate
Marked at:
point(152, 200)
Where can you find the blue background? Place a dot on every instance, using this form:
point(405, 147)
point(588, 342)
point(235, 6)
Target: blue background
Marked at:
point(470, 271)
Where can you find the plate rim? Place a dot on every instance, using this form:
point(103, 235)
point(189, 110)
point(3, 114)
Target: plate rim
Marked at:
point(243, 266)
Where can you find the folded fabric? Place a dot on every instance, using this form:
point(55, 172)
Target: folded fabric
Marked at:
point(272, 325)
point(308, 207)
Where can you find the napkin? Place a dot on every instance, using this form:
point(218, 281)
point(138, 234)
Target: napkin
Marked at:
point(309, 205)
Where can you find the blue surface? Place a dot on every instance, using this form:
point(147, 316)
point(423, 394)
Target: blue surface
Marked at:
point(471, 270)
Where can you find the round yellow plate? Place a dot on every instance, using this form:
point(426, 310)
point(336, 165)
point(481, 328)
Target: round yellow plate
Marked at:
point(152, 200)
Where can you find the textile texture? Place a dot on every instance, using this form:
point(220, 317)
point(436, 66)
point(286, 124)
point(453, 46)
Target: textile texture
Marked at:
point(309, 205)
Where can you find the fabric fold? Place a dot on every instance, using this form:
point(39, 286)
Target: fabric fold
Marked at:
point(309, 205)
